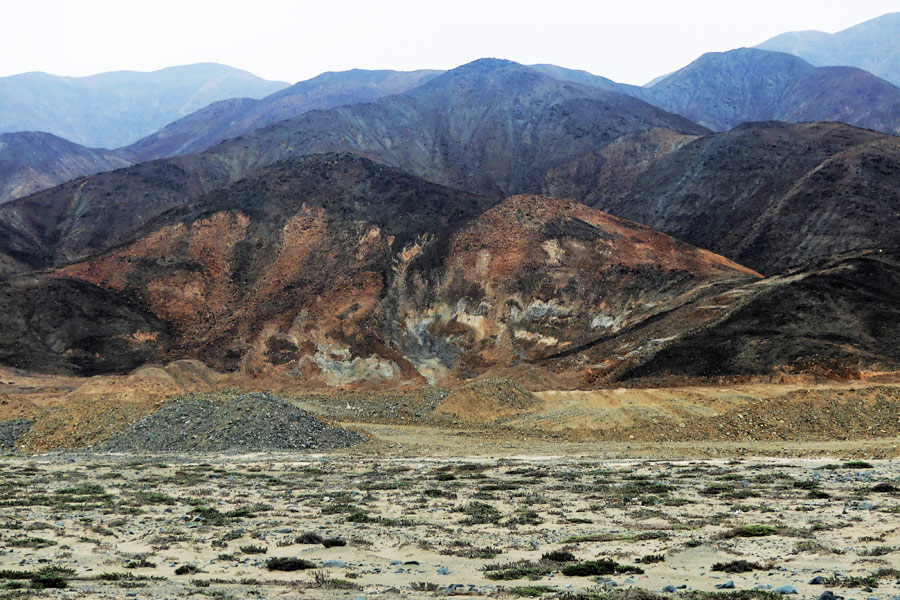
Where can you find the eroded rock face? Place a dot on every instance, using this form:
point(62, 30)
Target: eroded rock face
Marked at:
point(342, 271)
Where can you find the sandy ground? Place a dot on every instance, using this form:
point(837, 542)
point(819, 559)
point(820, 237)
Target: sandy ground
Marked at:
point(433, 527)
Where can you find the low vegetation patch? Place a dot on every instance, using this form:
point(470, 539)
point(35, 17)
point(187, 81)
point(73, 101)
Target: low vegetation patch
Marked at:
point(738, 566)
point(289, 564)
point(604, 566)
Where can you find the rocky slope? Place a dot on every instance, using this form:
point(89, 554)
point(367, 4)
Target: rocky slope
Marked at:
point(871, 46)
point(724, 89)
point(33, 161)
point(113, 109)
point(772, 195)
point(226, 119)
point(339, 270)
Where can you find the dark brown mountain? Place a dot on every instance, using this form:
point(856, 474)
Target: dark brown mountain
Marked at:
point(342, 270)
point(490, 127)
point(772, 195)
point(836, 319)
point(723, 89)
point(31, 161)
point(217, 122)
point(90, 214)
point(69, 326)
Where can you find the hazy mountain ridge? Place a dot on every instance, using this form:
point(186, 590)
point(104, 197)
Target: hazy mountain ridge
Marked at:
point(114, 109)
point(723, 90)
point(422, 248)
point(31, 161)
point(871, 46)
point(217, 122)
point(490, 126)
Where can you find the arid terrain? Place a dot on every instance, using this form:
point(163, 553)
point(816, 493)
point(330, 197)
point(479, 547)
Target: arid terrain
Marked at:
point(499, 331)
point(486, 490)
point(360, 524)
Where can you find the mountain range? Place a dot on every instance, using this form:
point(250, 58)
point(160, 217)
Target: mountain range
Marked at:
point(117, 108)
point(771, 196)
point(738, 217)
point(491, 127)
point(718, 91)
point(344, 269)
point(219, 121)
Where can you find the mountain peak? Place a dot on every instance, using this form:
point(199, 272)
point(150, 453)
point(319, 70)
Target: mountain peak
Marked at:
point(487, 67)
point(750, 56)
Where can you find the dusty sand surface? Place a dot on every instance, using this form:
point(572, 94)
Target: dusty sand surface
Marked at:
point(121, 526)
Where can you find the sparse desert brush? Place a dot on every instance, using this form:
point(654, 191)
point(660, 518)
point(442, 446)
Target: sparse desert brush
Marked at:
point(739, 566)
point(467, 550)
point(648, 559)
point(525, 517)
point(479, 513)
point(333, 542)
point(531, 591)
point(558, 556)
point(310, 537)
point(603, 566)
point(424, 586)
point(524, 569)
point(321, 580)
point(30, 542)
point(187, 570)
point(289, 564)
point(748, 531)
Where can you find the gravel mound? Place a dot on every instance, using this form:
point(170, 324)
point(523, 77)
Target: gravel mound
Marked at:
point(11, 431)
point(248, 423)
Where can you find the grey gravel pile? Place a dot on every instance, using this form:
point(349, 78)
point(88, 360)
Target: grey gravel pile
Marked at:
point(248, 423)
point(11, 431)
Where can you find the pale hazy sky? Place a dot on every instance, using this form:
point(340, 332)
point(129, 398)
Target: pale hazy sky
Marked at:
point(630, 41)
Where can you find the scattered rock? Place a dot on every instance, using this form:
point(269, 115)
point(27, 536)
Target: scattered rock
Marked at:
point(785, 589)
point(12, 431)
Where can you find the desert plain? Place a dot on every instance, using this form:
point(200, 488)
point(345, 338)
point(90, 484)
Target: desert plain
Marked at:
point(123, 487)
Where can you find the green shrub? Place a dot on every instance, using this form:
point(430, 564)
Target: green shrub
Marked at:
point(604, 566)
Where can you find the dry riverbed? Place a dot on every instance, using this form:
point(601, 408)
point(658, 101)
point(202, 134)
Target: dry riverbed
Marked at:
point(359, 525)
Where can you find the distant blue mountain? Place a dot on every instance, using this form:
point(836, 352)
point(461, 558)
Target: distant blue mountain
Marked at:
point(115, 109)
point(872, 46)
